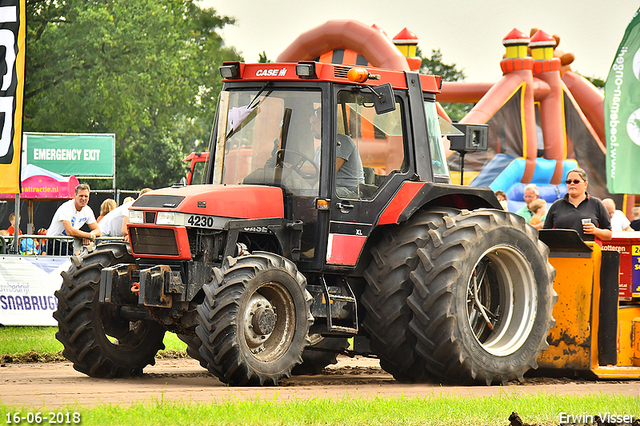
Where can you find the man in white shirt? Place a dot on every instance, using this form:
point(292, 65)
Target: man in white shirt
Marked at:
point(68, 220)
point(619, 221)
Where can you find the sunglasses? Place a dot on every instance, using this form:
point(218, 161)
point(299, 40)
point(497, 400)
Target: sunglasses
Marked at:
point(574, 181)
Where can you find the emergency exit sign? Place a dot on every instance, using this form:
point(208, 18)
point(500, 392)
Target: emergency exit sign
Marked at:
point(85, 155)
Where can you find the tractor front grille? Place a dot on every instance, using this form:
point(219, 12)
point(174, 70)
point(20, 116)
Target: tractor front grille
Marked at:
point(153, 241)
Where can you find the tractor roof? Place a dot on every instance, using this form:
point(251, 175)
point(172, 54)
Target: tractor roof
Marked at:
point(316, 71)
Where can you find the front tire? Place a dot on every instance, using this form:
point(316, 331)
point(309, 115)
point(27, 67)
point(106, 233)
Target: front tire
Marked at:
point(254, 320)
point(483, 298)
point(98, 341)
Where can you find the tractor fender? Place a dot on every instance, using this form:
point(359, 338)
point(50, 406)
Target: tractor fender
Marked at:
point(414, 196)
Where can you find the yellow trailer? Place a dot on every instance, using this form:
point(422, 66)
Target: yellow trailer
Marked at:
point(595, 332)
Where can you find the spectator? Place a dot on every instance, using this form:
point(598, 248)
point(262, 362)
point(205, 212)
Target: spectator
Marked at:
point(530, 194)
point(11, 231)
point(502, 197)
point(539, 209)
point(619, 221)
point(68, 220)
point(635, 223)
point(106, 206)
point(580, 211)
point(113, 223)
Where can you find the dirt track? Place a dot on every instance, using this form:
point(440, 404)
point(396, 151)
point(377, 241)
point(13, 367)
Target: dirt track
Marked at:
point(58, 383)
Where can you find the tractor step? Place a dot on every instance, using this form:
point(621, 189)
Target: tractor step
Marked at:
point(349, 300)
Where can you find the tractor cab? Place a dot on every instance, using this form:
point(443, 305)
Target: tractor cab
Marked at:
point(337, 141)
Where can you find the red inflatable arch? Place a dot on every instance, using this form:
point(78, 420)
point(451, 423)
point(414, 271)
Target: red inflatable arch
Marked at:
point(346, 34)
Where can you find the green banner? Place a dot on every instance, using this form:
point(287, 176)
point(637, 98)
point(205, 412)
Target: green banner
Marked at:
point(622, 114)
point(72, 155)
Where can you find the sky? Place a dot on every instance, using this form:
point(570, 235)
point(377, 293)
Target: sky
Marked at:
point(468, 33)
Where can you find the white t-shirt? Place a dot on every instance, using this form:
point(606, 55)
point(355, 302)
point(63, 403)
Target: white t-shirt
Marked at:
point(67, 211)
point(111, 223)
point(619, 221)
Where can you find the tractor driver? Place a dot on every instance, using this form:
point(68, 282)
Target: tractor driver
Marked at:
point(349, 172)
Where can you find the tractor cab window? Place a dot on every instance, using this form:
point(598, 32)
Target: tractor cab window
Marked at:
point(198, 173)
point(438, 158)
point(268, 140)
point(369, 145)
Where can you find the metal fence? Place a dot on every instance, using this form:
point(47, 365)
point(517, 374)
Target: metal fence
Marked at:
point(40, 245)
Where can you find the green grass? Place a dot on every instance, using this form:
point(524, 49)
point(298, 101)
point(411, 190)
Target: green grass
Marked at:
point(429, 410)
point(20, 340)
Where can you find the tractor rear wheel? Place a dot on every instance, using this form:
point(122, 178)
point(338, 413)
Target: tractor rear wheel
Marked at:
point(483, 298)
point(95, 338)
point(387, 314)
point(254, 320)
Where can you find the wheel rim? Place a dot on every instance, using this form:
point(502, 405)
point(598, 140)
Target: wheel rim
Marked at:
point(269, 322)
point(505, 294)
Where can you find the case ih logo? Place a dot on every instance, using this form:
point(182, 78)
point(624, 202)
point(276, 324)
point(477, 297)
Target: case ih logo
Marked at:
point(271, 72)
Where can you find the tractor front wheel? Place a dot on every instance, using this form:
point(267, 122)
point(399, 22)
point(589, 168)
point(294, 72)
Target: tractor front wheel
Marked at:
point(254, 320)
point(96, 339)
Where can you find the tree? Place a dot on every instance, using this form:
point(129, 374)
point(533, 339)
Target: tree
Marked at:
point(262, 58)
point(146, 70)
point(435, 66)
point(596, 81)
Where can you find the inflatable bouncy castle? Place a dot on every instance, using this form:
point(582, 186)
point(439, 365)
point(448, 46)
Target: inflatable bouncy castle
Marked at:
point(543, 118)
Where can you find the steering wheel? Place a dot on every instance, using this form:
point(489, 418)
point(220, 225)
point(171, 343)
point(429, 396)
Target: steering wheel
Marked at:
point(296, 166)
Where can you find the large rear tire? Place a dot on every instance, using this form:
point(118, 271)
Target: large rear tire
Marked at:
point(483, 297)
point(387, 314)
point(95, 338)
point(254, 320)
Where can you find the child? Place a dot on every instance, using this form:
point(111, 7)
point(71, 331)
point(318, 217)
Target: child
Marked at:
point(502, 197)
point(539, 209)
point(12, 221)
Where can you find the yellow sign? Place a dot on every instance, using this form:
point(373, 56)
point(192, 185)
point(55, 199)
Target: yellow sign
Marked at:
point(13, 38)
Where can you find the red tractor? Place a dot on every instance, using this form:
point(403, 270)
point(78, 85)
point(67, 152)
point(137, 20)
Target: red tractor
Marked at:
point(197, 167)
point(327, 213)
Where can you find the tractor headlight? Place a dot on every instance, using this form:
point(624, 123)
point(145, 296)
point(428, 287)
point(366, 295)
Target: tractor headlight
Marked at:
point(166, 218)
point(170, 218)
point(136, 216)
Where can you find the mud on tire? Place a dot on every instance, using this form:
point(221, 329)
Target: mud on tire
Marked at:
point(513, 289)
point(254, 320)
point(95, 338)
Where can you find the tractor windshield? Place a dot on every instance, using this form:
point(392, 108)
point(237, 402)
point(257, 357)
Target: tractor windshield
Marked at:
point(268, 139)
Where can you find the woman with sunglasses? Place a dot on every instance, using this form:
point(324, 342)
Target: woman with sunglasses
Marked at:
point(580, 211)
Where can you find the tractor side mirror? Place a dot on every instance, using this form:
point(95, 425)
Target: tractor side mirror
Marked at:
point(383, 98)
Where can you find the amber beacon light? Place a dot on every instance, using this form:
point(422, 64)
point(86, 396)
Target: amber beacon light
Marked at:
point(360, 75)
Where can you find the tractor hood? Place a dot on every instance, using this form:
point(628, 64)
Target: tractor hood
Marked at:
point(232, 201)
